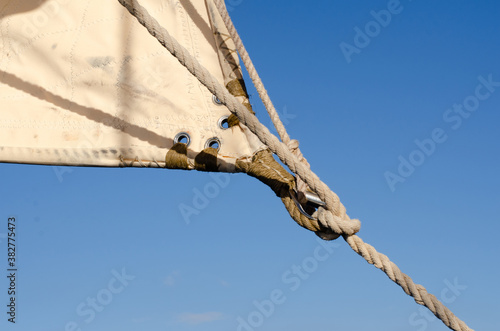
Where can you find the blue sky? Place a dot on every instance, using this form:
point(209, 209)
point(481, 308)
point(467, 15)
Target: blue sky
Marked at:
point(403, 127)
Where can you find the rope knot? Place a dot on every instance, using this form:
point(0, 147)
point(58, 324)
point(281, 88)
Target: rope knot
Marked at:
point(333, 226)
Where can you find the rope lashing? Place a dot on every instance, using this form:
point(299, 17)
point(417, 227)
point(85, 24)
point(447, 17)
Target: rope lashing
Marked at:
point(261, 90)
point(326, 225)
point(328, 220)
point(237, 88)
point(176, 157)
point(252, 72)
point(331, 200)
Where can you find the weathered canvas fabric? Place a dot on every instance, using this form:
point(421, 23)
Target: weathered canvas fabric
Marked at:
point(82, 83)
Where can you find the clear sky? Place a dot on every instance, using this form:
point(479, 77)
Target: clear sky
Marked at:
point(398, 114)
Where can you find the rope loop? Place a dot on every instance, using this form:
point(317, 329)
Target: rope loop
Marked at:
point(335, 224)
point(326, 224)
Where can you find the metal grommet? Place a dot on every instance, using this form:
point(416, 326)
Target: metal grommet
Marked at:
point(182, 137)
point(223, 123)
point(216, 100)
point(213, 143)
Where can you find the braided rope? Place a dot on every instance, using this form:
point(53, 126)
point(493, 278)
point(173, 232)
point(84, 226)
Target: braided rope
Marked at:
point(293, 145)
point(264, 167)
point(418, 292)
point(331, 200)
point(339, 219)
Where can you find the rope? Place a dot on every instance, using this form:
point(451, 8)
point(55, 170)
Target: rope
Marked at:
point(252, 72)
point(339, 219)
point(264, 167)
point(418, 292)
point(331, 200)
point(293, 145)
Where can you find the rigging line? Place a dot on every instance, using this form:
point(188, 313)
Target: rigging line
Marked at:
point(332, 201)
point(293, 145)
point(346, 226)
point(247, 61)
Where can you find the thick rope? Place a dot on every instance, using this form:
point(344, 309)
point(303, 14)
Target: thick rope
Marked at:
point(293, 145)
point(331, 200)
point(267, 170)
point(418, 292)
point(340, 219)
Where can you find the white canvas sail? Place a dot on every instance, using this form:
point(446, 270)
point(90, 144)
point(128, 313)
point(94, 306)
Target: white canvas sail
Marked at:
point(82, 83)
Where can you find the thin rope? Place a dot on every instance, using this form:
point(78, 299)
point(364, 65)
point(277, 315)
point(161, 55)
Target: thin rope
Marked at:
point(252, 72)
point(344, 225)
point(293, 145)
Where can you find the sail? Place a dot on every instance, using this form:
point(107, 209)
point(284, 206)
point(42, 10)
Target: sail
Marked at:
point(83, 83)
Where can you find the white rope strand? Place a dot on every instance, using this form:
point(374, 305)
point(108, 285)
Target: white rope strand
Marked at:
point(418, 292)
point(293, 145)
